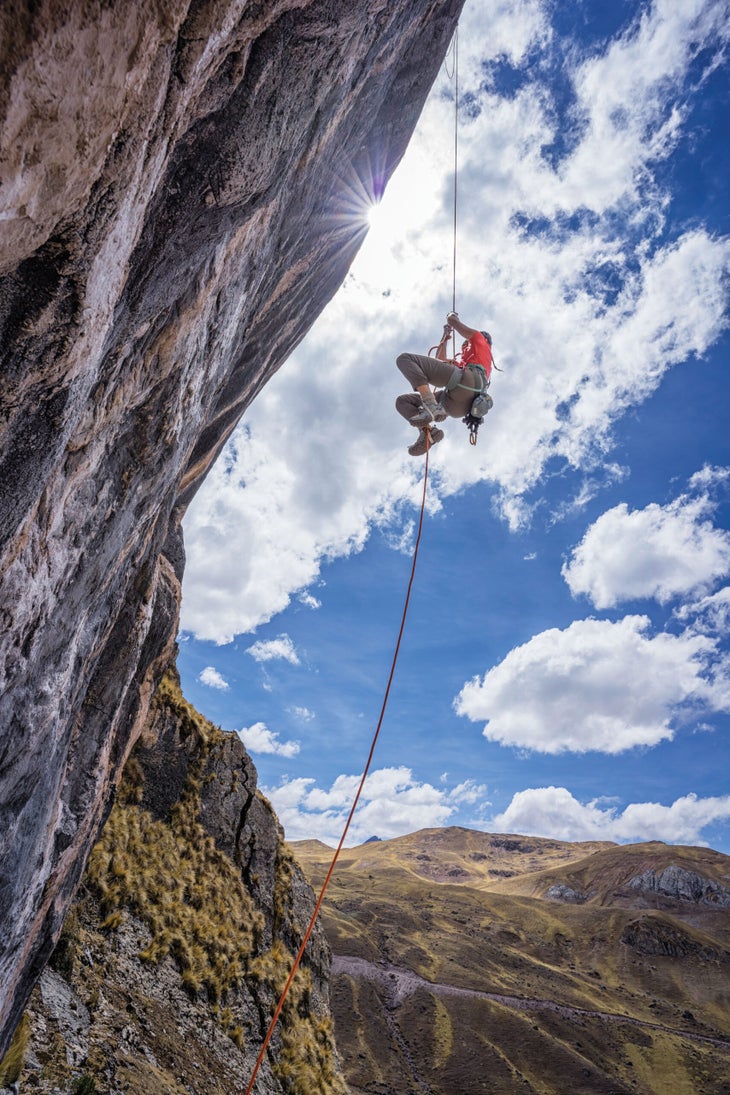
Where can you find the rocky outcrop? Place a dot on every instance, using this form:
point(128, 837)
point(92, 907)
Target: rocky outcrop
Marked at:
point(654, 936)
point(177, 207)
point(170, 964)
point(562, 892)
point(680, 884)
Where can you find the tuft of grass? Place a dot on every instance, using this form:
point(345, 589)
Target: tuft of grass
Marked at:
point(166, 874)
point(84, 1085)
point(63, 958)
point(112, 921)
point(307, 1061)
point(11, 1065)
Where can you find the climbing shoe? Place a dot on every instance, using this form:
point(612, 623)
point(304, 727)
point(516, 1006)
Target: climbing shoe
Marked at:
point(418, 448)
point(430, 411)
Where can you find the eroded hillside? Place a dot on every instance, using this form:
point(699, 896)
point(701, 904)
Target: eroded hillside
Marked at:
point(477, 963)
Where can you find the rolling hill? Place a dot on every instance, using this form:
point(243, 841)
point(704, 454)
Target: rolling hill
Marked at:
point(470, 963)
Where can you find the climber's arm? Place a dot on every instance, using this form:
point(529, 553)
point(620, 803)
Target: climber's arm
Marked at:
point(455, 322)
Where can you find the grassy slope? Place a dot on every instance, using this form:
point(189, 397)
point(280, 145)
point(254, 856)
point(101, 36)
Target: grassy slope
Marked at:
point(164, 957)
point(464, 909)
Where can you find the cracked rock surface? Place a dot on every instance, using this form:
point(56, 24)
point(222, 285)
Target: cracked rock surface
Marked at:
point(176, 185)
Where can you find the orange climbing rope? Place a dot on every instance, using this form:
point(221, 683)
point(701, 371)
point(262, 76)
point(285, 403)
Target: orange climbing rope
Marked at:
point(455, 74)
point(325, 884)
point(456, 154)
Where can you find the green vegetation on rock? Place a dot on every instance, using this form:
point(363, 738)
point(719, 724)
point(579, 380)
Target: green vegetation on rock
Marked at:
point(12, 1063)
point(172, 876)
point(174, 957)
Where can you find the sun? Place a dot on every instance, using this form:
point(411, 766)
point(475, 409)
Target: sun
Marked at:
point(376, 216)
point(385, 219)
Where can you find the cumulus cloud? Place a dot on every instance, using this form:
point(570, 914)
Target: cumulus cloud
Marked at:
point(259, 739)
point(213, 679)
point(658, 551)
point(626, 117)
point(554, 812)
point(393, 803)
point(709, 477)
point(597, 685)
point(281, 648)
point(590, 303)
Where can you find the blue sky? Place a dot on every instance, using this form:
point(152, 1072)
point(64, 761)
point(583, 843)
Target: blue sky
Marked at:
point(564, 670)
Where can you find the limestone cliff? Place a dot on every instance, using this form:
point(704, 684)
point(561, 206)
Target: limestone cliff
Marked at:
point(176, 207)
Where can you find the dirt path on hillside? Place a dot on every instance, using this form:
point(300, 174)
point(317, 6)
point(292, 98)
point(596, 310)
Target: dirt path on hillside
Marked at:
point(400, 983)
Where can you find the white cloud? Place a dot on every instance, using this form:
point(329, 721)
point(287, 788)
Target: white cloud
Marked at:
point(597, 685)
point(393, 803)
point(554, 812)
point(274, 649)
point(467, 792)
point(709, 477)
point(658, 551)
point(710, 614)
point(303, 713)
point(588, 312)
point(308, 600)
point(213, 679)
point(259, 739)
point(514, 29)
point(625, 105)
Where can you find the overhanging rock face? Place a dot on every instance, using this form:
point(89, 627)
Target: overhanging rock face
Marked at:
point(181, 194)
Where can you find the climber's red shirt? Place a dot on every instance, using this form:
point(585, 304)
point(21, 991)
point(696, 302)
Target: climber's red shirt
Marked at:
point(477, 349)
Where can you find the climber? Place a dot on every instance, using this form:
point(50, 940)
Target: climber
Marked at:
point(457, 382)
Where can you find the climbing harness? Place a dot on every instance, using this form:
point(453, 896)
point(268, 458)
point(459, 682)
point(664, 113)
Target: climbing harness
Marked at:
point(482, 402)
point(325, 884)
point(459, 370)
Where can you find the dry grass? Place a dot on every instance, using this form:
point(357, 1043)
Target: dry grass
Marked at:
point(172, 876)
point(468, 910)
point(193, 901)
point(11, 1065)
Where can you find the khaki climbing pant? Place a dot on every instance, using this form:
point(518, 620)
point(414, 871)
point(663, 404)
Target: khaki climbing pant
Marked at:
point(419, 369)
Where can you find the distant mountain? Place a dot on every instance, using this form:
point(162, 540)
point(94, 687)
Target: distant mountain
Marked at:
point(467, 963)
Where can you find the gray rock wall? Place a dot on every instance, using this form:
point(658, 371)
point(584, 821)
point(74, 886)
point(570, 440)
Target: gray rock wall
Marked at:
point(175, 210)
